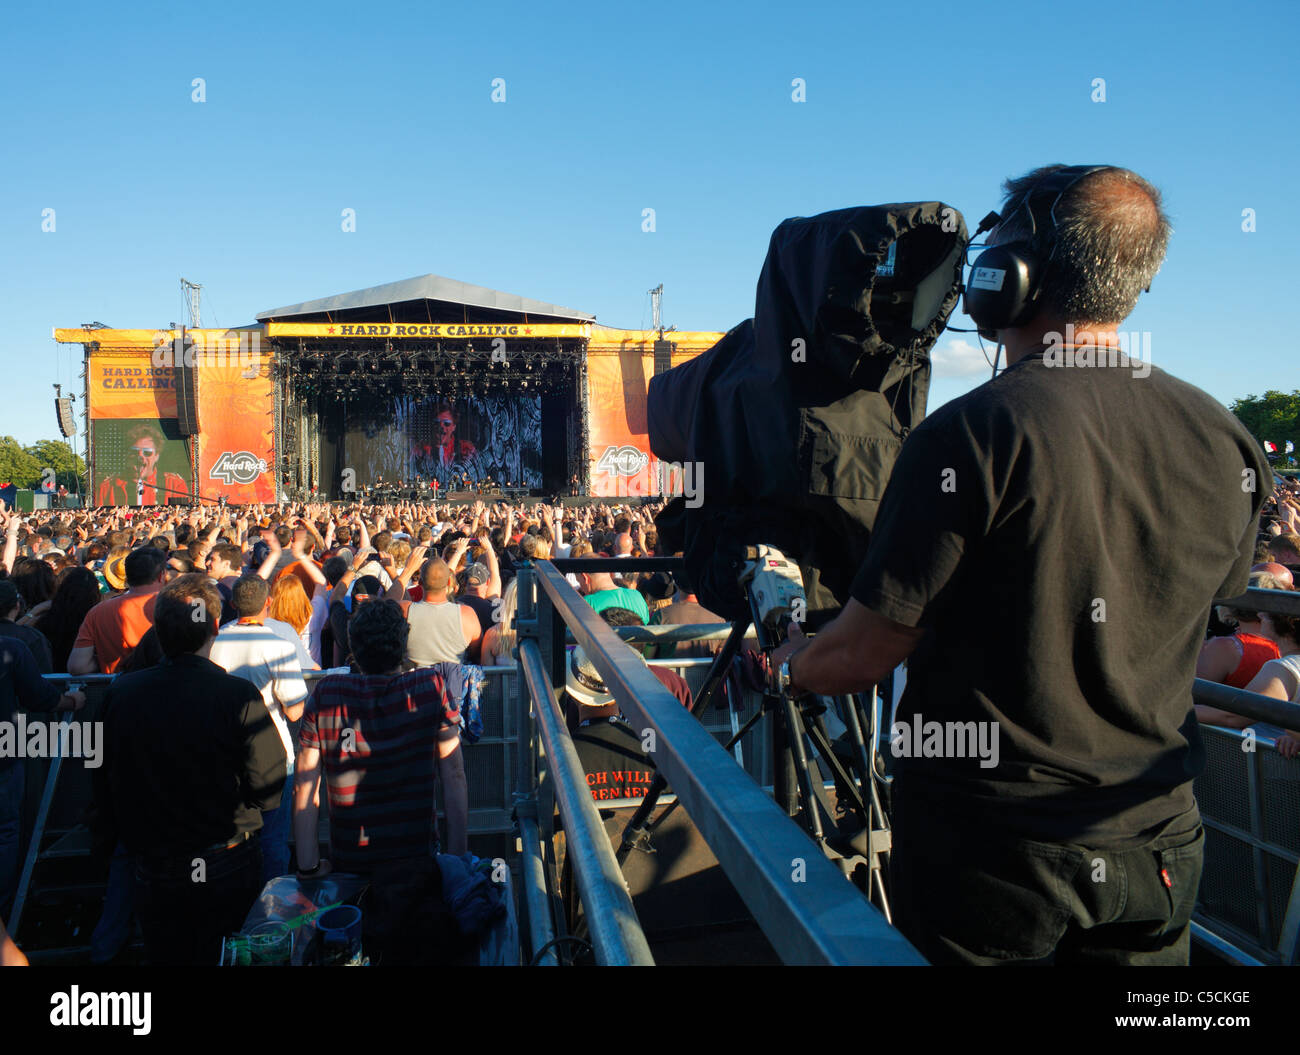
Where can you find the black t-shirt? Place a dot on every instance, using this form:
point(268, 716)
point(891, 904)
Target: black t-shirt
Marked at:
point(228, 613)
point(481, 606)
point(37, 643)
point(1061, 533)
point(178, 779)
point(612, 759)
point(338, 616)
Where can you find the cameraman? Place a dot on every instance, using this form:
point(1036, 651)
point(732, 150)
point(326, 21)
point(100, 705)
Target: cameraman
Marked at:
point(1046, 552)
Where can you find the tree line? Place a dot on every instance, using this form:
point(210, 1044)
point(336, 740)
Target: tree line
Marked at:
point(1274, 416)
point(25, 466)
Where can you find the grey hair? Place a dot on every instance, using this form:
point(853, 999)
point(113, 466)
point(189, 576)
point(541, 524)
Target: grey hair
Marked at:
point(1110, 239)
point(1259, 580)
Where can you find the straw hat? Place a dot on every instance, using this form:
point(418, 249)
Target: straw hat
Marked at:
point(115, 568)
point(583, 682)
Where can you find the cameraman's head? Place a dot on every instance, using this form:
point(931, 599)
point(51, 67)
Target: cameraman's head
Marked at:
point(1109, 240)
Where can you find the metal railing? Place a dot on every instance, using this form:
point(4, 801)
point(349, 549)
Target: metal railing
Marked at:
point(819, 918)
point(823, 919)
point(1248, 905)
point(1239, 701)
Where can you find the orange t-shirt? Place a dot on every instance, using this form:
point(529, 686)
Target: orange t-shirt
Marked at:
point(114, 627)
point(308, 584)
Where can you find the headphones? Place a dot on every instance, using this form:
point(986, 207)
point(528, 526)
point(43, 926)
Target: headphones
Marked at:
point(1006, 280)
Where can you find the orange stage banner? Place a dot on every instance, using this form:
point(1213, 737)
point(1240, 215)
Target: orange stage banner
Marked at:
point(447, 330)
point(236, 407)
point(130, 386)
point(620, 462)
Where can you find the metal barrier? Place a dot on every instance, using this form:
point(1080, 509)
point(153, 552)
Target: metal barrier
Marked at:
point(1248, 906)
point(1283, 602)
point(820, 919)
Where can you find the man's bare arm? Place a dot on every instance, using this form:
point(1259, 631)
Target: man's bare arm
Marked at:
point(82, 661)
point(856, 650)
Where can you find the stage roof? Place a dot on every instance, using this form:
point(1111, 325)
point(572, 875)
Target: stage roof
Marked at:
point(427, 287)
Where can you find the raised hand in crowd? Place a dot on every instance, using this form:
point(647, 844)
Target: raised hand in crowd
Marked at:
point(414, 562)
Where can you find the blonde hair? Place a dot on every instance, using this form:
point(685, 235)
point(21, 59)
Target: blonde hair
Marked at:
point(506, 637)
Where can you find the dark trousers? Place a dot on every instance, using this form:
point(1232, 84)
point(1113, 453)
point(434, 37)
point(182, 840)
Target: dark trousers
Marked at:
point(185, 912)
point(11, 825)
point(969, 894)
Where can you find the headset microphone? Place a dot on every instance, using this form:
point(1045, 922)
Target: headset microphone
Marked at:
point(1006, 280)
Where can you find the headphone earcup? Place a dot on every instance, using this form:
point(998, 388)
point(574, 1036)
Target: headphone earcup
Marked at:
point(1002, 285)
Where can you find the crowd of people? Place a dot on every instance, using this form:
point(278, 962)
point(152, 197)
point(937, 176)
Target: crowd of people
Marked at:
point(231, 607)
point(399, 606)
point(1051, 589)
point(1260, 651)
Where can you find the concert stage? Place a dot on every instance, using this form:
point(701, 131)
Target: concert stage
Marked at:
point(402, 384)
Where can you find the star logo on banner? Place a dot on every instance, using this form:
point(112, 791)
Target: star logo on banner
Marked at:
point(331, 329)
point(528, 329)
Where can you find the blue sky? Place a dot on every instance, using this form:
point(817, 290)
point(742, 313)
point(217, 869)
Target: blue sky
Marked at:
point(386, 109)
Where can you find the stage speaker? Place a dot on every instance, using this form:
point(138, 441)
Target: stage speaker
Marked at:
point(187, 411)
point(663, 356)
point(67, 424)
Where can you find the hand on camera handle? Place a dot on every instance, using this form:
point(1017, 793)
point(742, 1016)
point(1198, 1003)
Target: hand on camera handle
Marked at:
point(796, 641)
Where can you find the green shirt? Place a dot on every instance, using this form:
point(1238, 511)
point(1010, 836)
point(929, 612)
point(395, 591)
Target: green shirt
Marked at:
point(620, 597)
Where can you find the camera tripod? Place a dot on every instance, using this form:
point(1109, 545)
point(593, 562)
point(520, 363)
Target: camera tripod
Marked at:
point(855, 833)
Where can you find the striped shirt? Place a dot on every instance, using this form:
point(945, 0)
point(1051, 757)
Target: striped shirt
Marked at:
point(378, 738)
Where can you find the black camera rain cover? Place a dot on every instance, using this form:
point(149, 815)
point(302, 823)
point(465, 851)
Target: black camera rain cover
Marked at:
point(797, 415)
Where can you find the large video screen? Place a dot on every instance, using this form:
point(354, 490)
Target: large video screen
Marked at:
point(478, 438)
point(140, 462)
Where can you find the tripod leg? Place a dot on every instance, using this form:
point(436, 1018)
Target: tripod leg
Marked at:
point(842, 777)
point(880, 859)
point(849, 706)
point(798, 757)
point(721, 664)
point(637, 829)
point(784, 784)
point(881, 819)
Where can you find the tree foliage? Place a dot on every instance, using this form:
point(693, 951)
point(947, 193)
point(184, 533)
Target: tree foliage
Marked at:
point(1273, 416)
point(25, 466)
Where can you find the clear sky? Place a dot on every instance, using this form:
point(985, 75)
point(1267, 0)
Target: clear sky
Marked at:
point(386, 109)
